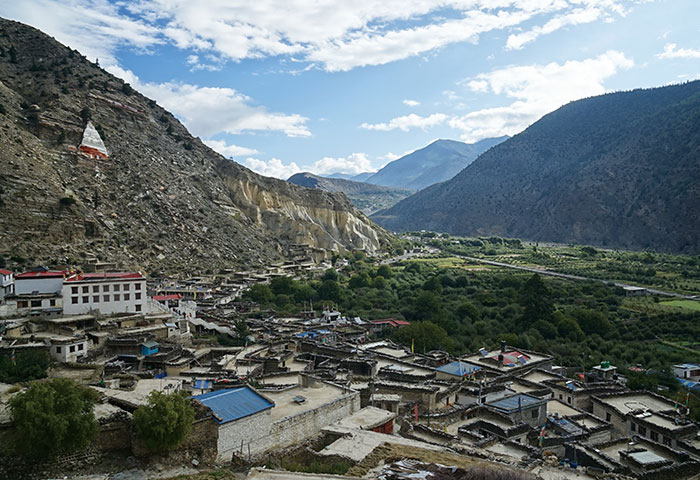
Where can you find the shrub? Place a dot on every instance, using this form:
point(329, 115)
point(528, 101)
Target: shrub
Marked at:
point(164, 423)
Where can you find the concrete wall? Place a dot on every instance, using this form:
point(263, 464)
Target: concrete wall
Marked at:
point(618, 421)
point(106, 296)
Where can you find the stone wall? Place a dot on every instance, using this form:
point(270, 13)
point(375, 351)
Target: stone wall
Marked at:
point(297, 428)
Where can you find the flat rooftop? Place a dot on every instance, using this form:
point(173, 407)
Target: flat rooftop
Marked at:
point(367, 418)
point(628, 403)
point(316, 396)
point(539, 376)
point(555, 406)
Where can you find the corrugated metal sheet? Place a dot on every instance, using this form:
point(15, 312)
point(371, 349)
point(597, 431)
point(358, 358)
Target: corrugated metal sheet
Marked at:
point(231, 404)
point(458, 368)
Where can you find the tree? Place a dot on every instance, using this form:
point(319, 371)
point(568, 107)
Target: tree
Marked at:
point(535, 297)
point(330, 290)
point(425, 336)
point(53, 417)
point(330, 274)
point(30, 365)
point(164, 422)
point(359, 280)
point(283, 285)
point(260, 293)
point(385, 271)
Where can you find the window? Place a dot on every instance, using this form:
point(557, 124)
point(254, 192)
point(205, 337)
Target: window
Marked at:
point(52, 302)
point(86, 289)
point(116, 297)
point(654, 435)
point(138, 308)
point(80, 346)
point(607, 417)
point(22, 304)
point(137, 295)
point(116, 287)
point(126, 287)
point(105, 288)
point(667, 441)
point(74, 290)
point(74, 300)
point(642, 431)
point(96, 298)
point(95, 289)
point(534, 413)
point(560, 396)
point(568, 400)
point(127, 297)
point(58, 349)
point(72, 348)
point(36, 303)
point(633, 427)
point(105, 298)
point(86, 299)
point(137, 286)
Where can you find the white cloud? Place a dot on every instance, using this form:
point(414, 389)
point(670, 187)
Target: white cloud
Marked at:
point(411, 103)
point(207, 111)
point(337, 35)
point(577, 16)
point(272, 168)
point(229, 150)
point(407, 122)
point(537, 90)
point(671, 50)
point(354, 163)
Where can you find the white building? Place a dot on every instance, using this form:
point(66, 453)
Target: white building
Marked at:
point(123, 292)
point(68, 349)
point(687, 371)
point(39, 281)
point(7, 283)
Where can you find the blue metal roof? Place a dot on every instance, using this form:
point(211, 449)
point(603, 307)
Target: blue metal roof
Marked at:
point(513, 403)
point(459, 368)
point(234, 403)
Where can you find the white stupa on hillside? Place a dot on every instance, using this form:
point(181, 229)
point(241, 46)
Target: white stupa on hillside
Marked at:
point(92, 144)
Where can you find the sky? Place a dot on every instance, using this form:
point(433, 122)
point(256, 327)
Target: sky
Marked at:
point(331, 86)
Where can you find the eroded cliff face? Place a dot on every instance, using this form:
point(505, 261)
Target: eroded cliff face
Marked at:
point(163, 200)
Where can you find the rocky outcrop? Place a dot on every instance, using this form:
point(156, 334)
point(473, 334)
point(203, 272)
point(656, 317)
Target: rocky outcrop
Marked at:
point(162, 201)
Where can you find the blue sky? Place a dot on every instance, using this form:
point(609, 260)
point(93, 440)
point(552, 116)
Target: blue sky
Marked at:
point(335, 86)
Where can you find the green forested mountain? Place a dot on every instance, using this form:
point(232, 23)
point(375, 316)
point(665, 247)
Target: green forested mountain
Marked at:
point(619, 170)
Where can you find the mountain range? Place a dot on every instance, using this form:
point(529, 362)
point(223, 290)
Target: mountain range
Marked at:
point(618, 170)
point(437, 162)
point(365, 196)
point(162, 200)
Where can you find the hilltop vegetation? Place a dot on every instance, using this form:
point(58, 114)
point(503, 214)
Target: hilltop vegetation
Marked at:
point(618, 170)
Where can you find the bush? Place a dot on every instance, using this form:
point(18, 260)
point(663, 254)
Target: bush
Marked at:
point(67, 201)
point(53, 417)
point(164, 423)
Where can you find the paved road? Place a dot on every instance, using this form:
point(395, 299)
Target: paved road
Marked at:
point(573, 277)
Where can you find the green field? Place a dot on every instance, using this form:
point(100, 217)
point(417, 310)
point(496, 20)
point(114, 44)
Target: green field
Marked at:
point(687, 304)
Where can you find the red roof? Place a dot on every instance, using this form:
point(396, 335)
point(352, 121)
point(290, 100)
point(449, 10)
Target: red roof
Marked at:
point(86, 277)
point(160, 298)
point(5, 272)
point(390, 321)
point(511, 357)
point(40, 274)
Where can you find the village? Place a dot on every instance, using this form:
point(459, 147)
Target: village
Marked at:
point(336, 386)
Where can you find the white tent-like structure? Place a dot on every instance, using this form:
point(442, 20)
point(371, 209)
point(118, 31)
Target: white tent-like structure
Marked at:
point(92, 144)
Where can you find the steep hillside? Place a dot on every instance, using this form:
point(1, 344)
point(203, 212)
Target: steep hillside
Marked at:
point(365, 196)
point(162, 200)
point(438, 162)
point(619, 170)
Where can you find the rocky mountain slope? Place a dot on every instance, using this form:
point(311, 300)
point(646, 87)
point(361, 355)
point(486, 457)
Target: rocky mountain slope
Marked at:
point(437, 162)
point(365, 196)
point(162, 200)
point(619, 170)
